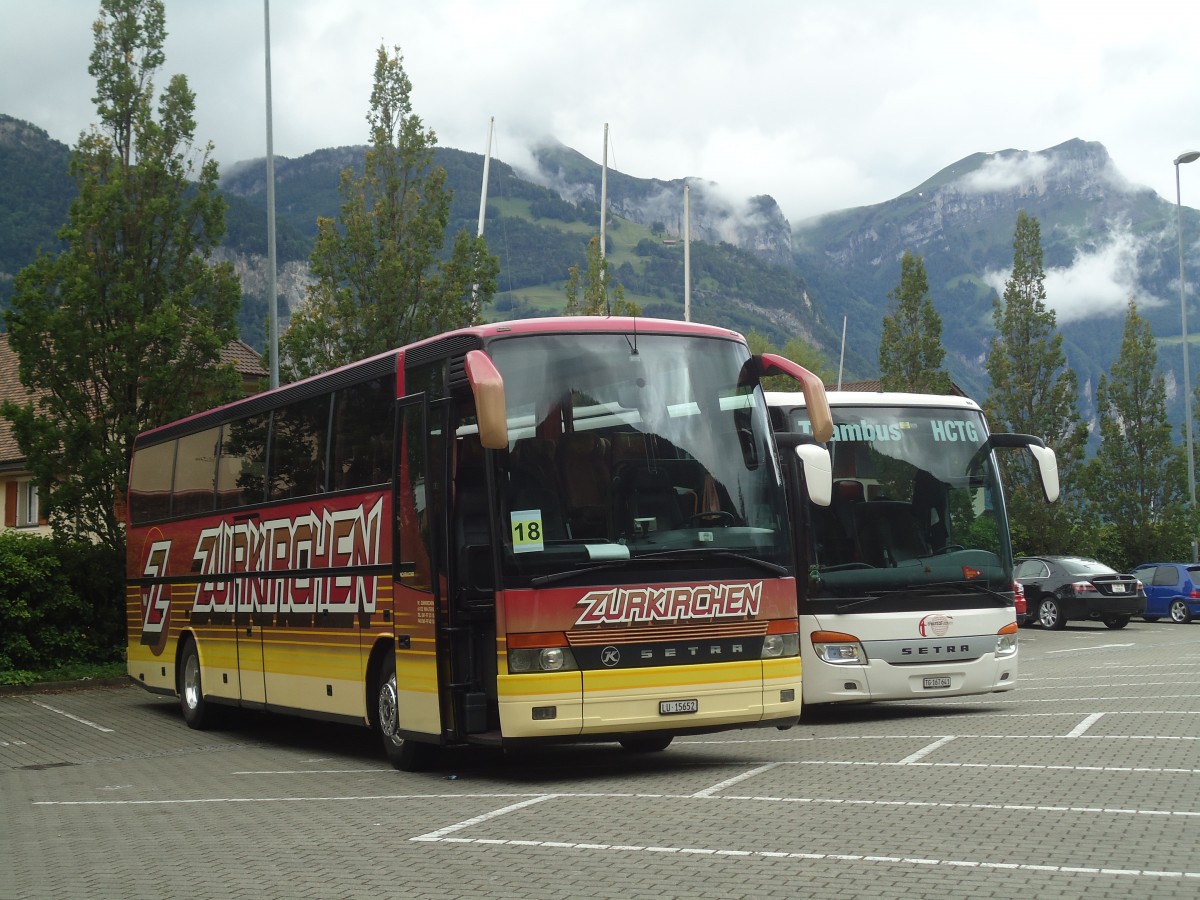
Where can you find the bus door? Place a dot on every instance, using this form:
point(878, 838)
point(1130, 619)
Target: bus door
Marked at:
point(419, 589)
point(470, 630)
point(248, 610)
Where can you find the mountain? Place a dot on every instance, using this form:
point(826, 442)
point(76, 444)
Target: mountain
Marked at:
point(35, 195)
point(538, 224)
point(1105, 241)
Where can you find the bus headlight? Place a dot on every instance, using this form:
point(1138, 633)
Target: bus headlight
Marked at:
point(838, 648)
point(1006, 640)
point(545, 659)
point(779, 646)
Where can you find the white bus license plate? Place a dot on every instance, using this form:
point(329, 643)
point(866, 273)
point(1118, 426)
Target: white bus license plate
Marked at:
point(675, 707)
point(936, 681)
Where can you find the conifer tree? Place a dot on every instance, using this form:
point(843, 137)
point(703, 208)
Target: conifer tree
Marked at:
point(592, 280)
point(910, 348)
point(1033, 392)
point(123, 329)
point(1135, 482)
point(379, 279)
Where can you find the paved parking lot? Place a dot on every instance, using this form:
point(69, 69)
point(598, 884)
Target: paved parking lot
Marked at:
point(1083, 781)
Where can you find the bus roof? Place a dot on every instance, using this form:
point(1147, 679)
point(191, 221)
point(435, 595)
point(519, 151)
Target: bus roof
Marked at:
point(876, 398)
point(458, 338)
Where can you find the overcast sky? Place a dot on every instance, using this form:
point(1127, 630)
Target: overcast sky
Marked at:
point(823, 104)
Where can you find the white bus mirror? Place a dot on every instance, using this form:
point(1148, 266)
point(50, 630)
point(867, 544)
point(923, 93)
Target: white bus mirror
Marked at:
point(818, 472)
point(1047, 466)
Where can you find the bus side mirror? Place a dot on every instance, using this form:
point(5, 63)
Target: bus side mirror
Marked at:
point(1047, 466)
point(818, 472)
point(815, 401)
point(488, 389)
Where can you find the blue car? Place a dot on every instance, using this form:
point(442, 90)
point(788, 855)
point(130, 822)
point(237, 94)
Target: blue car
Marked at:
point(1172, 589)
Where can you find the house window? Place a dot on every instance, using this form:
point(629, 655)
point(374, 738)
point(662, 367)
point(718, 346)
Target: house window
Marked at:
point(27, 504)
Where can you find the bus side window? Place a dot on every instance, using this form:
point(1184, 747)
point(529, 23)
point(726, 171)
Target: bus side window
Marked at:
point(150, 484)
point(195, 473)
point(412, 513)
point(362, 434)
point(241, 471)
point(299, 432)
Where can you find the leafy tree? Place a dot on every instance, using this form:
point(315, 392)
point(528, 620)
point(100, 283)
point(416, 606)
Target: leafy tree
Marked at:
point(593, 281)
point(798, 351)
point(123, 329)
point(379, 278)
point(910, 349)
point(1135, 481)
point(1033, 392)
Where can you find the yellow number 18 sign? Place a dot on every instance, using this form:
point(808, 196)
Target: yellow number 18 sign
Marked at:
point(526, 530)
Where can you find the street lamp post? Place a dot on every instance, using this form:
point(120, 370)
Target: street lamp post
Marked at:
point(1186, 157)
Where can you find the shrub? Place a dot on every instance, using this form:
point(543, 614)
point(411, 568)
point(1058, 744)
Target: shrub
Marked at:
point(60, 602)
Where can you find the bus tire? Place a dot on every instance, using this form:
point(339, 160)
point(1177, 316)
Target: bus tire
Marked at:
point(651, 743)
point(197, 712)
point(405, 755)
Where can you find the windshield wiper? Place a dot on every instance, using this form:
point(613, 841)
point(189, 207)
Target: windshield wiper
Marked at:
point(660, 556)
point(715, 552)
point(539, 580)
point(934, 588)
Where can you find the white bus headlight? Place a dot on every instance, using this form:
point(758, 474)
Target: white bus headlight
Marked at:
point(544, 659)
point(838, 648)
point(779, 646)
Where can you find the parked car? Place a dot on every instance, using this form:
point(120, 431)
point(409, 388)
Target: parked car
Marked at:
point(1172, 589)
point(1060, 588)
point(1020, 607)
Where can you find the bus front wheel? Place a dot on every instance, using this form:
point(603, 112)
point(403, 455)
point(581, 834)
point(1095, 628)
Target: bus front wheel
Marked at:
point(197, 712)
point(404, 754)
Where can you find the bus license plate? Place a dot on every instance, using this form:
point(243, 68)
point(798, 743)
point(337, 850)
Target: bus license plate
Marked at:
point(675, 707)
point(937, 681)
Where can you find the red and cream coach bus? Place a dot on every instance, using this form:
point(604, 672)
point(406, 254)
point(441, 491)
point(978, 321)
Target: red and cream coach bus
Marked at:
point(568, 529)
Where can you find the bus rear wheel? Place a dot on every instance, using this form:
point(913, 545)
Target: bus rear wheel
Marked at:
point(405, 755)
point(651, 743)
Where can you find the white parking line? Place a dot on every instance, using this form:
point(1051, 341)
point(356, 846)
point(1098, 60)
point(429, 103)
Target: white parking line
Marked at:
point(721, 785)
point(833, 857)
point(441, 833)
point(75, 718)
point(1083, 726)
point(526, 800)
point(1093, 647)
point(925, 751)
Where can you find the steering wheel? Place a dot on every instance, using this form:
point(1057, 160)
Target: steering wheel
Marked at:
point(717, 517)
point(949, 548)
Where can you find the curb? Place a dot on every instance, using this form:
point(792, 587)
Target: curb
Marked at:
point(59, 687)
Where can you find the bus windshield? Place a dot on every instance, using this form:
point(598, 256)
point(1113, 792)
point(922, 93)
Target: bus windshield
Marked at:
point(630, 450)
point(916, 501)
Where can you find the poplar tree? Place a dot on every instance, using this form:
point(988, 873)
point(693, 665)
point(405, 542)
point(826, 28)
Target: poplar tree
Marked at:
point(380, 279)
point(122, 330)
point(910, 348)
point(587, 288)
point(1033, 392)
point(1136, 480)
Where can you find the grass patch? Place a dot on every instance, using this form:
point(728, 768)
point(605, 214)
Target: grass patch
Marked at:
point(65, 672)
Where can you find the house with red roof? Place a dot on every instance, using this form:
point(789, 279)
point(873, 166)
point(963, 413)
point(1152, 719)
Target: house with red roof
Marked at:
point(20, 505)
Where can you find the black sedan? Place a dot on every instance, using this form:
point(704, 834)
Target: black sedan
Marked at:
point(1058, 588)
